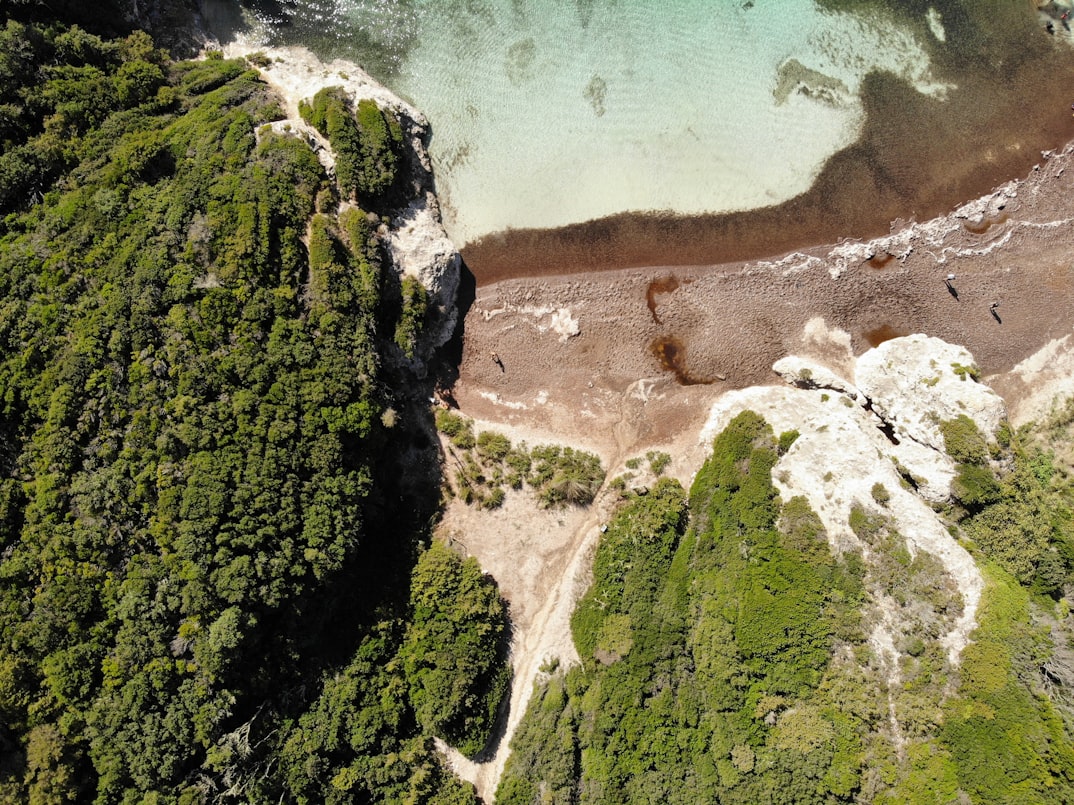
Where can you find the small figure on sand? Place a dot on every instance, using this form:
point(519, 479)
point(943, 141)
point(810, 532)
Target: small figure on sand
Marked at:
point(992, 309)
point(496, 360)
point(950, 288)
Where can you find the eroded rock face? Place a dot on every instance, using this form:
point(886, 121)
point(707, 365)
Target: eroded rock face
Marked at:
point(417, 243)
point(917, 382)
point(806, 374)
point(875, 445)
point(836, 463)
point(419, 247)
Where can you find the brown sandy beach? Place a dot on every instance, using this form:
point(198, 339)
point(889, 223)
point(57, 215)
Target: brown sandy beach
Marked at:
point(624, 361)
point(687, 307)
point(578, 348)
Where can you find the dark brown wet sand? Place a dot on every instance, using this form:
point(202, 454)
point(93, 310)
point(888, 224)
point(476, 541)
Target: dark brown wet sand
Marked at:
point(918, 157)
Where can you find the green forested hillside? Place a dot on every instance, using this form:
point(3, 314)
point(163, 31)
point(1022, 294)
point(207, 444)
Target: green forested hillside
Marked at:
point(207, 528)
point(726, 655)
point(217, 479)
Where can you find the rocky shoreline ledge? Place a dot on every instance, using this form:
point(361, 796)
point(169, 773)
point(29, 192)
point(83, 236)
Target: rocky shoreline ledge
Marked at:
point(414, 236)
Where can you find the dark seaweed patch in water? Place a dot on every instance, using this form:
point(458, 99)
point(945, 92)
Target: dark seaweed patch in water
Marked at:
point(880, 260)
point(885, 332)
point(985, 225)
point(672, 356)
point(659, 286)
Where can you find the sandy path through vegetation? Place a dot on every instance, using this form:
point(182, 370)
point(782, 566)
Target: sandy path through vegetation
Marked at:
point(540, 640)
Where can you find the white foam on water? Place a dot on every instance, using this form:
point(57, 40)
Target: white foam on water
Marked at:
point(551, 112)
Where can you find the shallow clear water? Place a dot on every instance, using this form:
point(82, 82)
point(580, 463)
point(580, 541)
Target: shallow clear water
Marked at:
point(550, 112)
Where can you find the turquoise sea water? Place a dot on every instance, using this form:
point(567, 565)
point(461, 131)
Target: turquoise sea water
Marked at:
point(551, 112)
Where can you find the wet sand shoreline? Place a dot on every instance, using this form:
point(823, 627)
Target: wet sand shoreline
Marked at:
point(917, 158)
point(663, 338)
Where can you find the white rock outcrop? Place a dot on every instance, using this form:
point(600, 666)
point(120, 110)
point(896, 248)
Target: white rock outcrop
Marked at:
point(417, 242)
point(917, 382)
point(807, 374)
point(844, 450)
point(419, 247)
point(1043, 381)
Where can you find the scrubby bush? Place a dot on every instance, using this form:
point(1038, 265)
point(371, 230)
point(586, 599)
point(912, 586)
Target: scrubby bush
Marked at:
point(563, 475)
point(495, 499)
point(786, 439)
point(202, 543)
point(412, 316)
point(367, 143)
point(558, 475)
point(964, 372)
point(658, 461)
point(964, 441)
point(519, 463)
point(493, 446)
point(975, 486)
point(381, 144)
point(696, 647)
point(451, 424)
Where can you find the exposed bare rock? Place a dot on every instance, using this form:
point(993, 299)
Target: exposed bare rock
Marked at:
point(808, 374)
point(1041, 382)
point(841, 457)
point(930, 472)
point(915, 383)
point(419, 247)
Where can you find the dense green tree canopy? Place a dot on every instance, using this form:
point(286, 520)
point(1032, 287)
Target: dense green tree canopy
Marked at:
point(203, 560)
point(725, 657)
point(216, 481)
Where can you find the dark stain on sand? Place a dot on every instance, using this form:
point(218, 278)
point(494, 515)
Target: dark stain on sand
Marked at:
point(659, 286)
point(671, 353)
point(880, 260)
point(885, 332)
point(985, 224)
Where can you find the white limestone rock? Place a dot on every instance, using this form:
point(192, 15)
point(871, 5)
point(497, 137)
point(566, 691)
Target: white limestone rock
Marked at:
point(843, 453)
point(808, 374)
point(1041, 383)
point(838, 458)
point(930, 471)
point(915, 383)
point(419, 247)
